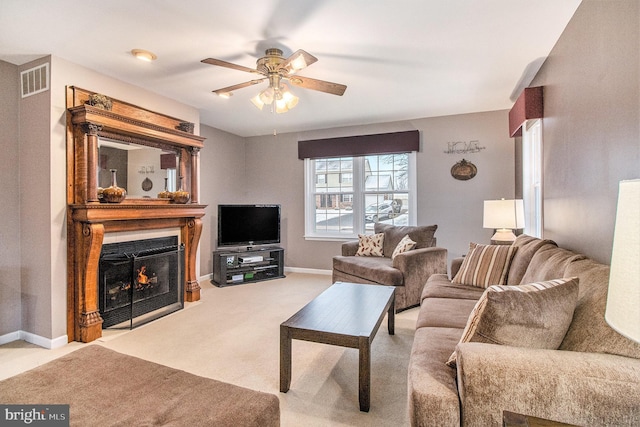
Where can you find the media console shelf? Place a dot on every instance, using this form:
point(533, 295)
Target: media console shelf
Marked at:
point(234, 267)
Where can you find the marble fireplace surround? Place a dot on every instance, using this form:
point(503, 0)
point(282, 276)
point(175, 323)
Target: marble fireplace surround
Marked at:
point(90, 223)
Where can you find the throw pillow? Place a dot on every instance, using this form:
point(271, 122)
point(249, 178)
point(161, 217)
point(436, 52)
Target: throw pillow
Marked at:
point(535, 315)
point(370, 244)
point(485, 265)
point(406, 244)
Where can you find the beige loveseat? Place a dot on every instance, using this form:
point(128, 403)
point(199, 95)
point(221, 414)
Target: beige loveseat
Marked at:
point(408, 271)
point(592, 379)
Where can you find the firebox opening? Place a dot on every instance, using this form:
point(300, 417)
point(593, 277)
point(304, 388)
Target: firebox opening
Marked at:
point(140, 281)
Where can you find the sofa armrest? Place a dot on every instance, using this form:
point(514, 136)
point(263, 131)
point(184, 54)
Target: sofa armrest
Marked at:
point(417, 266)
point(350, 248)
point(565, 386)
point(456, 263)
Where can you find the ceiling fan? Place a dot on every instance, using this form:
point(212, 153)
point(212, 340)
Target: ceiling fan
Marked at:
point(275, 68)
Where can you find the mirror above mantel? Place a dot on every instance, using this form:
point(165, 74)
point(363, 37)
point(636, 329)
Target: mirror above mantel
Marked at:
point(90, 126)
point(141, 170)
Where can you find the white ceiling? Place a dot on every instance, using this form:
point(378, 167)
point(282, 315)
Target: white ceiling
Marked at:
point(402, 59)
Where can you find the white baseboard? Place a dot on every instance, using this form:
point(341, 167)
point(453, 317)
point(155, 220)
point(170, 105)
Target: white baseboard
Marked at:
point(206, 278)
point(34, 339)
point(307, 270)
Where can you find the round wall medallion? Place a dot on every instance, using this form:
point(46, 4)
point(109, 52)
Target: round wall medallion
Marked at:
point(147, 184)
point(464, 170)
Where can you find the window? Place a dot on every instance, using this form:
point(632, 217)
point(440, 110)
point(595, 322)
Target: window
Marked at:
point(357, 192)
point(532, 177)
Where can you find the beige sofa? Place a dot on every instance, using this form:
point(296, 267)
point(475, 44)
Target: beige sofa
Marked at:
point(408, 272)
point(592, 379)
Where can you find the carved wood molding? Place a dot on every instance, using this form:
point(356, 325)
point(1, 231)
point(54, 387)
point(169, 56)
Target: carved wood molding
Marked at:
point(89, 220)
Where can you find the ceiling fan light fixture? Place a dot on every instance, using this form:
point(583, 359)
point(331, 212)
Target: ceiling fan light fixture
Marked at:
point(289, 98)
point(144, 55)
point(225, 95)
point(267, 96)
point(257, 102)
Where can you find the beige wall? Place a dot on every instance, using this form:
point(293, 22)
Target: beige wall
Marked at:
point(455, 206)
point(10, 309)
point(591, 128)
point(222, 180)
point(35, 216)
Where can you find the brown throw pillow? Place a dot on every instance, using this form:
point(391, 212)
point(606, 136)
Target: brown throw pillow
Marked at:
point(406, 244)
point(535, 315)
point(485, 265)
point(370, 244)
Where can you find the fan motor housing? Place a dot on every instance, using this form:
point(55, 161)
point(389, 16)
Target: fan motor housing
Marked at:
point(270, 63)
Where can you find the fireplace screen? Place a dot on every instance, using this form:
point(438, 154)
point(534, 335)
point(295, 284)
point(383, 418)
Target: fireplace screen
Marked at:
point(140, 280)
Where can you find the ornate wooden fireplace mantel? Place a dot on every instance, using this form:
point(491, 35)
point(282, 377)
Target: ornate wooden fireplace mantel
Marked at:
point(88, 219)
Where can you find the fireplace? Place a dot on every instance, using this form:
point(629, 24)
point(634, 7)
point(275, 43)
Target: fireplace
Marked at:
point(89, 219)
point(140, 280)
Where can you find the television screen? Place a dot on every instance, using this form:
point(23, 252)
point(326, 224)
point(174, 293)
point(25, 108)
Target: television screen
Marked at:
point(240, 225)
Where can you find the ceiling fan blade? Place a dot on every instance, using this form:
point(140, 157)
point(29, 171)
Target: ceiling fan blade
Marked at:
point(320, 85)
point(297, 61)
point(221, 63)
point(229, 89)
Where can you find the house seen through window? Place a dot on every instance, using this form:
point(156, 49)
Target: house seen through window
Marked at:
point(346, 196)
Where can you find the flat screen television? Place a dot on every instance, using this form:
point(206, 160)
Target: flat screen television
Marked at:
point(248, 225)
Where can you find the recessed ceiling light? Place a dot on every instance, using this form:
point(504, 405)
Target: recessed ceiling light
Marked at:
point(144, 55)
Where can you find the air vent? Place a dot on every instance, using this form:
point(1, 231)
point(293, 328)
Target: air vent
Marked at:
point(35, 80)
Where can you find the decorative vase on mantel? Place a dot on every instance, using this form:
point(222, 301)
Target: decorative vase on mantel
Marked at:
point(165, 194)
point(114, 194)
point(180, 196)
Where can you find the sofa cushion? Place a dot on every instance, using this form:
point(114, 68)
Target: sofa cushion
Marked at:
point(485, 265)
point(370, 244)
point(374, 269)
point(422, 235)
point(405, 245)
point(535, 315)
point(548, 263)
point(589, 332)
point(527, 247)
point(439, 286)
point(444, 313)
point(432, 389)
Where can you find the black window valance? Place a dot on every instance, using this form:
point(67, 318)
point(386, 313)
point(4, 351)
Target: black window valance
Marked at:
point(360, 145)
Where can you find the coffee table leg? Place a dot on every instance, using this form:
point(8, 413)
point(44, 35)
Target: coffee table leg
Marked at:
point(285, 359)
point(391, 317)
point(364, 373)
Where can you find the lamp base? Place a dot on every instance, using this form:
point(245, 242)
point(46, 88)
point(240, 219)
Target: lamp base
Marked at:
point(503, 236)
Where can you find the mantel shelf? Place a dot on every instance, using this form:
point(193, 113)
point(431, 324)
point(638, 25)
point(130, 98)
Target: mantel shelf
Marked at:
point(91, 213)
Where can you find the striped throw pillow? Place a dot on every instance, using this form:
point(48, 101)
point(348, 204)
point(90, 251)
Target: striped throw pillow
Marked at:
point(535, 315)
point(485, 265)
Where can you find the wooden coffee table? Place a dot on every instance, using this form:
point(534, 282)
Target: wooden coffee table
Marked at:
point(347, 315)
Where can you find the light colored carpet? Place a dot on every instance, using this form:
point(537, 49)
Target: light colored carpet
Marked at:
point(232, 335)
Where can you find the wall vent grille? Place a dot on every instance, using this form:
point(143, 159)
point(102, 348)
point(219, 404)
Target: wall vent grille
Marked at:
point(35, 80)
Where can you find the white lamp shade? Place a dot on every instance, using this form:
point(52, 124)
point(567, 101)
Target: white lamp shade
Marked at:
point(623, 300)
point(503, 214)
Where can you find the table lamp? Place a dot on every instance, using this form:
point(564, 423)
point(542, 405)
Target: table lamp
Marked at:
point(504, 216)
point(623, 301)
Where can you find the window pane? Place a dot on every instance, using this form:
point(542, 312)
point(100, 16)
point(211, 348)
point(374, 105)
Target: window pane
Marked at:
point(348, 195)
point(388, 173)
